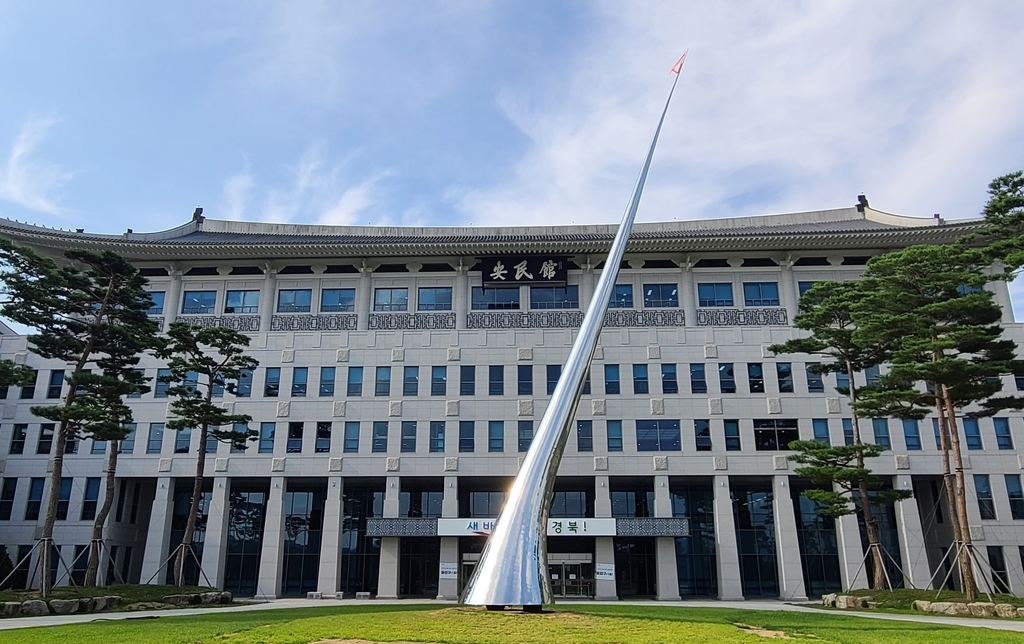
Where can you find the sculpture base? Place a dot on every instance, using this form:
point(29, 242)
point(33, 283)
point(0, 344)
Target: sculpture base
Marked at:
point(528, 608)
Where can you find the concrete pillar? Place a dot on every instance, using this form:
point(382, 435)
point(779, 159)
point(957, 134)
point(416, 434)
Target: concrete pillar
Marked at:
point(687, 297)
point(460, 298)
point(1014, 570)
point(448, 587)
point(272, 551)
point(730, 584)
point(268, 300)
point(668, 570)
point(662, 500)
point(450, 500)
point(851, 553)
point(787, 546)
point(172, 298)
point(913, 549)
point(392, 487)
point(387, 577)
point(604, 554)
point(364, 298)
point(330, 538)
point(216, 541)
point(789, 296)
point(158, 536)
point(602, 497)
point(586, 285)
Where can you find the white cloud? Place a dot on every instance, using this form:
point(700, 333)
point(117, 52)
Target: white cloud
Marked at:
point(27, 181)
point(237, 189)
point(352, 203)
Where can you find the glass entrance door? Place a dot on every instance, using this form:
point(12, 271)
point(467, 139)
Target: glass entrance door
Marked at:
point(570, 579)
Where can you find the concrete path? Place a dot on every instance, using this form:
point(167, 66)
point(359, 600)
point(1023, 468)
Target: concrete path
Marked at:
point(60, 620)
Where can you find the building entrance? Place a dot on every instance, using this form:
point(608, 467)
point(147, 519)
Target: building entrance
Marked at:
point(571, 575)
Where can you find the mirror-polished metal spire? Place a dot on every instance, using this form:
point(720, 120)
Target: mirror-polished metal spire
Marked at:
point(513, 567)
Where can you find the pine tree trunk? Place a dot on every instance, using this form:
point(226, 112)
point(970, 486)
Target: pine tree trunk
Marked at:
point(92, 570)
point(870, 527)
point(193, 511)
point(947, 474)
point(970, 584)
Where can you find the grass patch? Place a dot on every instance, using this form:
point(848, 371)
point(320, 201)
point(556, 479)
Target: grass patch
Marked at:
point(580, 624)
point(904, 598)
point(129, 593)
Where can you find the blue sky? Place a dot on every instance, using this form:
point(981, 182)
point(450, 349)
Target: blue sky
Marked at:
point(125, 114)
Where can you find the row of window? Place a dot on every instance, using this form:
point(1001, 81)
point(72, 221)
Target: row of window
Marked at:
point(90, 498)
point(986, 504)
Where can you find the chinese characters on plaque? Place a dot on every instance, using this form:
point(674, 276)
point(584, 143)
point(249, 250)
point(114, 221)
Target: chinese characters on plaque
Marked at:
point(506, 271)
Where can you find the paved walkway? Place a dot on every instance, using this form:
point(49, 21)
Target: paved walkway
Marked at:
point(59, 620)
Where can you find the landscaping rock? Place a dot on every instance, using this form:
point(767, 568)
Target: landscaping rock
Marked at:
point(113, 601)
point(957, 608)
point(99, 604)
point(64, 606)
point(1020, 612)
point(828, 600)
point(870, 604)
point(842, 601)
point(859, 602)
point(922, 605)
point(86, 605)
point(182, 600)
point(210, 598)
point(34, 607)
point(939, 607)
point(982, 609)
point(226, 597)
point(13, 609)
point(1006, 610)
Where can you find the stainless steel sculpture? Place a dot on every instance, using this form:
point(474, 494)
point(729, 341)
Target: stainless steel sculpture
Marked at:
point(513, 567)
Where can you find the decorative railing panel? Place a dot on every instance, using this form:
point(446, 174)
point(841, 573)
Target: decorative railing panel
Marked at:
point(573, 319)
point(651, 527)
point(644, 317)
point(323, 322)
point(401, 527)
point(243, 323)
point(425, 320)
point(741, 317)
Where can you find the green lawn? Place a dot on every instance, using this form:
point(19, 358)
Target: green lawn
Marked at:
point(129, 593)
point(583, 624)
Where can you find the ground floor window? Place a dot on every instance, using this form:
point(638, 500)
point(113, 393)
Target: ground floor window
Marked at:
point(753, 507)
point(696, 564)
point(246, 516)
point(360, 554)
point(889, 537)
point(636, 567)
point(179, 520)
point(819, 546)
point(418, 565)
point(303, 527)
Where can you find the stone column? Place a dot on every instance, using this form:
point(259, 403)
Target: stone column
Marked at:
point(460, 298)
point(268, 297)
point(851, 553)
point(216, 541)
point(604, 553)
point(364, 298)
point(602, 497)
point(787, 547)
point(913, 549)
point(387, 577)
point(789, 296)
point(158, 536)
point(665, 547)
point(730, 584)
point(272, 552)
point(587, 284)
point(392, 486)
point(688, 298)
point(448, 588)
point(330, 538)
point(172, 298)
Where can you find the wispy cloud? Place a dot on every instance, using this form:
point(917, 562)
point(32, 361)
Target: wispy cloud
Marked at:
point(28, 181)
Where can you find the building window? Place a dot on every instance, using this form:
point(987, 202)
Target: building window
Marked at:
point(64, 498)
point(669, 384)
point(158, 303)
point(467, 436)
point(584, 436)
point(266, 431)
point(1004, 440)
point(391, 299)
point(354, 386)
point(997, 562)
point(300, 377)
point(45, 444)
point(435, 299)
point(698, 379)
point(774, 434)
point(871, 375)
point(323, 438)
point(755, 377)
point(496, 436)
point(911, 434)
point(294, 300)
point(408, 443)
point(138, 394)
point(842, 382)
point(53, 389)
point(411, 381)
point(199, 302)
point(380, 437)
point(972, 433)
point(495, 299)
point(467, 380)
point(436, 436)
point(760, 294)
point(554, 297)
point(242, 302)
point(183, 441)
point(661, 296)
point(337, 300)
point(815, 384)
point(1016, 494)
point(820, 428)
point(586, 384)
point(439, 381)
point(622, 297)
point(98, 447)
point(784, 371)
point(641, 385)
point(294, 444)
point(611, 379)
point(525, 435)
point(17, 439)
point(524, 380)
point(553, 372)
point(732, 435)
point(848, 431)
point(127, 445)
point(881, 430)
point(161, 385)
point(243, 387)
point(719, 294)
point(726, 378)
point(702, 434)
point(155, 439)
point(90, 498)
point(803, 287)
point(327, 381)
point(350, 444)
point(29, 391)
point(614, 435)
point(632, 498)
point(272, 386)
point(658, 436)
point(983, 489)
point(382, 382)
point(496, 380)
point(1018, 379)
point(35, 499)
point(7, 498)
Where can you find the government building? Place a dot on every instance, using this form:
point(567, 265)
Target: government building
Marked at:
point(402, 372)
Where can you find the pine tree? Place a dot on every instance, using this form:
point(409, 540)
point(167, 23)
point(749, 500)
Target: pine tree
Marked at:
point(201, 362)
point(1003, 232)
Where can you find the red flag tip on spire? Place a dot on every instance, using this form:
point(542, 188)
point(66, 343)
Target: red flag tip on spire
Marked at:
point(678, 67)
